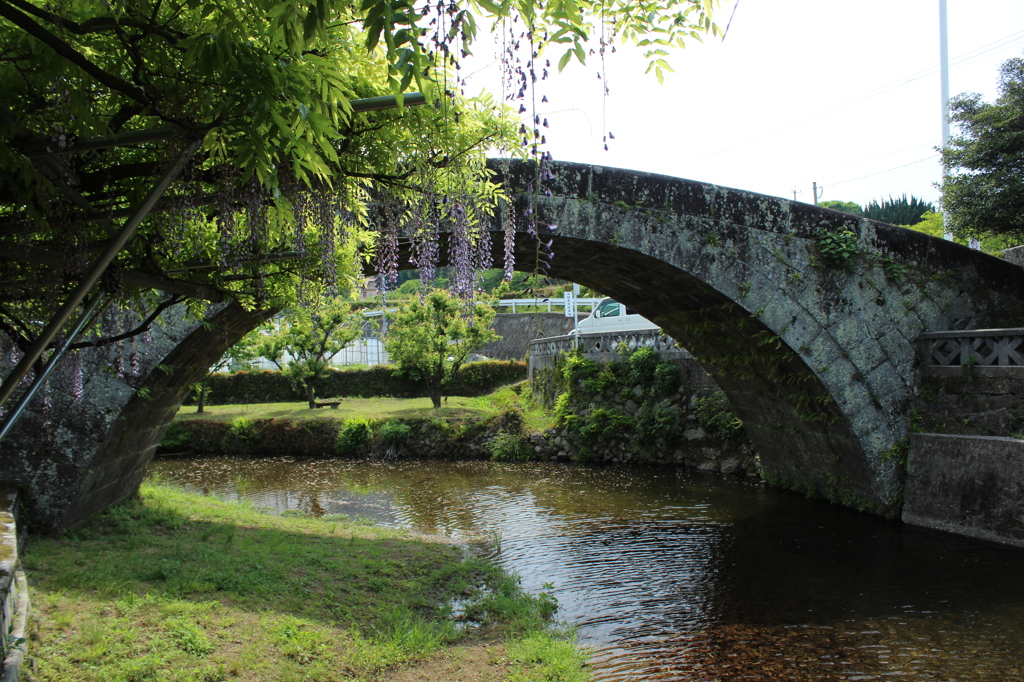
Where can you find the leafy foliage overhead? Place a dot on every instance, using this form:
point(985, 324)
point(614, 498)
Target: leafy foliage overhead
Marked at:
point(287, 168)
point(983, 192)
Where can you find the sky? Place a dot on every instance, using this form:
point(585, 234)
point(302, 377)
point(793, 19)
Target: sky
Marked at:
point(842, 94)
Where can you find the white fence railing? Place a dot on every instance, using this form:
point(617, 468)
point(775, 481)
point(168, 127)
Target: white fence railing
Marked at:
point(359, 352)
point(980, 347)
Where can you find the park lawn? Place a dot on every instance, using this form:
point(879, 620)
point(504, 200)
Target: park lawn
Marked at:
point(349, 408)
point(454, 407)
point(180, 587)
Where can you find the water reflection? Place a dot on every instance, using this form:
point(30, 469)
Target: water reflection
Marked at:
point(675, 575)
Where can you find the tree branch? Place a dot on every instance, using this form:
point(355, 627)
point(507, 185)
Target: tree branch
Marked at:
point(99, 24)
point(164, 305)
point(7, 11)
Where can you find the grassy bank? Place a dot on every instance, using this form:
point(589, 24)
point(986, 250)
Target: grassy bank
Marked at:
point(454, 407)
point(174, 586)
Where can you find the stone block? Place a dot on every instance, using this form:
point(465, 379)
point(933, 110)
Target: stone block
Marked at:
point(968, 485)
point(1014, 255)
point(855, 335)
point(900, 352)
point(824, 351)
point(931, 316)
point(886, 380)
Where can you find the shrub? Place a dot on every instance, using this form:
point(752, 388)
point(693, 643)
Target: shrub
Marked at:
point(176, 438)
point(474, 379)
point(353, 437)
point(245, 428)
point(509, 447)
point(839, 249)
point(196, 437)
point(717, 418)
point(393, 432)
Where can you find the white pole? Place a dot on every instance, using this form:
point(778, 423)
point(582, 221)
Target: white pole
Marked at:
point(947, 234)
point(576, 315)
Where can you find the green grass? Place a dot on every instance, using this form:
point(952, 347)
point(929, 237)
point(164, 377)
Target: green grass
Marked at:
point(455, 407)
point(175, 586)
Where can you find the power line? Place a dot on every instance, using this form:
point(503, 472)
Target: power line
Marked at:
point(961, 60)
point(871, 175)
point(880, 156)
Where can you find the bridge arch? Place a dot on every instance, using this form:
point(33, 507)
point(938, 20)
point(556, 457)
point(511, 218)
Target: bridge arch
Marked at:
point(817, 360)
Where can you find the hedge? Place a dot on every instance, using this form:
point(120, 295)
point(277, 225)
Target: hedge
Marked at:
point(476, 378)
point(462, 438)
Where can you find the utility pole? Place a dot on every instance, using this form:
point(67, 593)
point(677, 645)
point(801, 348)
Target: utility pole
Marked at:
point(814, 188)
point(795, 192)
point(947, 234)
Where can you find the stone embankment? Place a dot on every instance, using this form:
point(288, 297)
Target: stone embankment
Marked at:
point(700, 451)
point(634, 399)
point(965, 462)
point(14, 603)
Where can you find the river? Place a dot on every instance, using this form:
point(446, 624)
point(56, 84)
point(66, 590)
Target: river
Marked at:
point(671, 574)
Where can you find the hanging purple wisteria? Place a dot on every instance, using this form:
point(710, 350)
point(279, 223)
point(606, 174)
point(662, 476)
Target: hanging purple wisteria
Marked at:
point(387, 245)
point(423, 238)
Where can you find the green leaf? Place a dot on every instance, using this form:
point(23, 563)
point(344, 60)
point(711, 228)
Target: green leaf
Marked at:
point(564, 60)
point(580, 54)
point(309, 26)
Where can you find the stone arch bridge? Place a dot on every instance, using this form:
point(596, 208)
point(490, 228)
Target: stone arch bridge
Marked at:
point(817, 358)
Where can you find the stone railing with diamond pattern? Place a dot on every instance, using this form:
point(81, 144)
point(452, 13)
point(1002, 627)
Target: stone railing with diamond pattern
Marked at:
point(980, 347)
point(602, 346)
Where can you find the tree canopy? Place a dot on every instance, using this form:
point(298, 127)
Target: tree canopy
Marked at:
point(983, 192)
point(431, 339)
point(285, 168)
point(844, 206)
point(303, 341)
point(900, 211)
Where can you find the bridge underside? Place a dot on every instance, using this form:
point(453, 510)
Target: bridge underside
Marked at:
point(804, 441)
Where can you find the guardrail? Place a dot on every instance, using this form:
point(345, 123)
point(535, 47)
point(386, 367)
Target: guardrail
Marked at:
point(549, 303)
point(980, 347)
point(602, 346)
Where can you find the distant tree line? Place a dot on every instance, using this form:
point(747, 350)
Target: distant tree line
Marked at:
point(902, 211)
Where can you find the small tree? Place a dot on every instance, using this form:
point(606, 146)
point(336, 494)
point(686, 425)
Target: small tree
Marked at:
point(984, 191)
point(430, 339)
point(306, 339)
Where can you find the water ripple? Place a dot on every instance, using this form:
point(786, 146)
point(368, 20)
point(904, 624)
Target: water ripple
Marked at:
point(672, 575)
